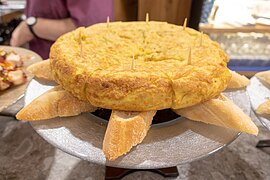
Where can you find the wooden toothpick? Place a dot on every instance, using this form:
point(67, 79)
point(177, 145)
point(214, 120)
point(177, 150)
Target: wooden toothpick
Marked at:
point(133, 62)
point(185, 24)
point(189, 56)
point(201, 39)
point(108, 21)
point(147, 18)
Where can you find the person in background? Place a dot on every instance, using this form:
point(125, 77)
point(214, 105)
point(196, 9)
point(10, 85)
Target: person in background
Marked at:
point(47, 20)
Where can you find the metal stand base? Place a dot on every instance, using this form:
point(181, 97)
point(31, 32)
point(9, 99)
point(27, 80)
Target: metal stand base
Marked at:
point(119, 173)
point(263, 144)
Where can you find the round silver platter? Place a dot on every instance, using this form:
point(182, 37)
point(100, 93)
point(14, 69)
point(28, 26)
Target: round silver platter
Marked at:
point(258, 94)
point(167, 144)
point(12, 95)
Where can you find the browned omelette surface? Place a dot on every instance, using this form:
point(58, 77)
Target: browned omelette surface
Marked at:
point(139, 66)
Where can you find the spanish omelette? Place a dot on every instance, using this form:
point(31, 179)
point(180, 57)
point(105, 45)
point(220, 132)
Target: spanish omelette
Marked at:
point(139, 66)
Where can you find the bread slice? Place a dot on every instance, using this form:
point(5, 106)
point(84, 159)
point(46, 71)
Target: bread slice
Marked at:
point(54, 103)
point(264, 77)
point(238, 81)
point(221, 112)
point(125, 130)
point(41, 70)
point(264, 109)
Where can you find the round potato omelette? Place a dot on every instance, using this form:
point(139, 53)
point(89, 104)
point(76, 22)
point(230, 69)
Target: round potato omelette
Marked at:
point(139, 66)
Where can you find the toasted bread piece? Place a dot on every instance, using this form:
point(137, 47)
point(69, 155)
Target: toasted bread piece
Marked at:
point(41, 69)
point(54, 103)
point(238, 81)
point(264, 77)
point(125, 130)
point(221, 112)
point(264, 109)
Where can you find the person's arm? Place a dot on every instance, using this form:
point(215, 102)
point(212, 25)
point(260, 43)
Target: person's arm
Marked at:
point(49, 29)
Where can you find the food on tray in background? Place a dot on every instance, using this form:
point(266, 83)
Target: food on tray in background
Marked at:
point(11, 73)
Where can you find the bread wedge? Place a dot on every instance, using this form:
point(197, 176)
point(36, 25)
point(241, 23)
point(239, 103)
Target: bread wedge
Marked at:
point(125, 130)
point(238, 81)
point(221, 112)
point(41, 70)
point(264, 109)
point(264, 77)
point(54, 103)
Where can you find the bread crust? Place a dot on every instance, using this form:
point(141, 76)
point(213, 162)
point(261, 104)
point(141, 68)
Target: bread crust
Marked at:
point(238, 81)
point(160, 78)
point(54, 103)
point(41, 69)
point(221, 112)
point(125, 130)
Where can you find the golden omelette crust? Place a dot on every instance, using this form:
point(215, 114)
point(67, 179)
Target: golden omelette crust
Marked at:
point(160, 78)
